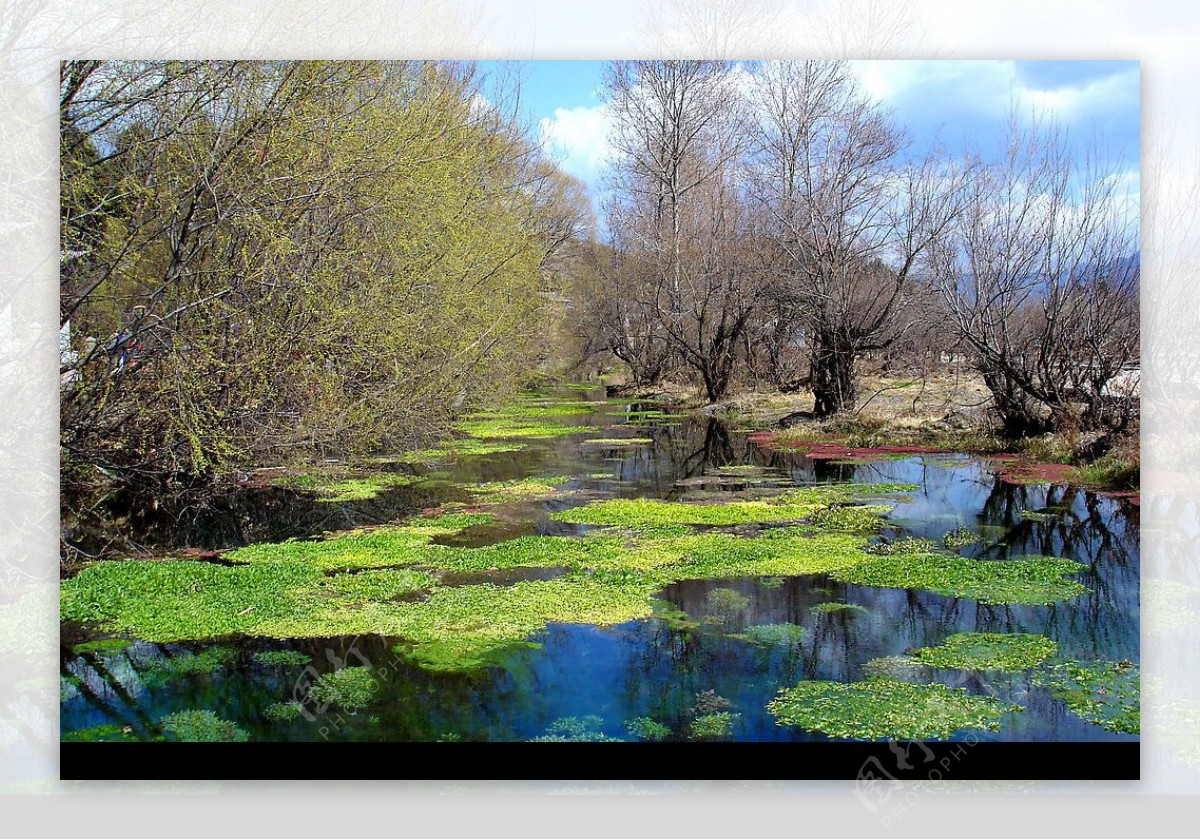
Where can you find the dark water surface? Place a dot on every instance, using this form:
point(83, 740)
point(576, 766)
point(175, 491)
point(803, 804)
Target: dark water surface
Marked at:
point(655, 668)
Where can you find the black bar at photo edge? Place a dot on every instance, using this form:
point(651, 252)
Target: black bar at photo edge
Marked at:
point(869, 763)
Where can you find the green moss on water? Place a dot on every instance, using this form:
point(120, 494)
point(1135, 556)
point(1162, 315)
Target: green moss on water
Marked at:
point(102, 646)
point(103, 733)
point(576, 729)
point(334, 490)
point(459, 448)
point(896, 667)
point(882, 708)
point(282, 658)
point(725, 605)
point(960, 538)
point(1107, 694)
point(1039, 516)
point(495, 492)
point(190, 664)
point(838, 607)
point(202, 725)
point(861, 518)
point(714, 726)
point(518, 428)
point(617, 442)
point(380, 584)
point(284, 712)
point(1029, 580)
point(647, 729)
point(904, 545)
point(348, 688)
point(783, 634)
point(988, 652)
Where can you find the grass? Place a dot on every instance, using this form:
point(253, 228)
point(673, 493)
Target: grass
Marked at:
point(988, 652)
point(884, 708)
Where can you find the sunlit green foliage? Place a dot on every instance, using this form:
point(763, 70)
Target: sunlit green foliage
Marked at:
point(725, 605)
point(988, 652)
point(102, 646)
point(184, 664)
point(880, 708)
point(517, 428)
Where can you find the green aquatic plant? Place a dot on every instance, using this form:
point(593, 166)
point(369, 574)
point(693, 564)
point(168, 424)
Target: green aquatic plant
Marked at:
point(189, 664)
point(647, 729)
point(882, 708)
point(783, 634)
point(838, 607)
point(709, 702)
point(1107, 694)
point(282, 658)
point(988, 652)
point(353, 687)
point(335, 489)
point(1028, 580)
point(1039, 516)
point(102, 646)
point(461, 447)
point(284, 712)
point(960, 538)
point(573, 729)
point(380, 584)
point(517, 428)
point(905, 545)
point(494, 492)
point(617, 442)
point(858, 518)
point(713, 726)
point(772, 582)
point(896, 667)
point(725, 605)
point(103, 733)
point(202, 725)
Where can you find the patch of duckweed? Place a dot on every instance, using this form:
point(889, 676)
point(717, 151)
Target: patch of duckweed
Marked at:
point(713, 726)
point(102, 733)
point(283, 712)
point(540, 408)
point(517, 428)
point(882, 708)
point(189, 664)
point(772, 582)
point(616, 442)
point(349, 688)
point(202, 725)
point(838, 607)
point(1039, 516)
point(282, 658)
point(494, 492)
point(783, 634)
point(647, 729)
point(1028, 580)
point(102, 646)
point(462, 447)
point(335, 490)
point(988, 652)
point(1107, 694)
point(904, 545)
point(576, 729)
point(380, 584)
point(709, 702)
point(960, 538)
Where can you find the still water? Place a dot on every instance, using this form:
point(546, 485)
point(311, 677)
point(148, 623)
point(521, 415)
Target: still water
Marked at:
point(655, 668)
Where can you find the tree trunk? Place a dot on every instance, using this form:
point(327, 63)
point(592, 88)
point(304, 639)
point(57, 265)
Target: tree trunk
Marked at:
point(1019, 414)
point(832, 376)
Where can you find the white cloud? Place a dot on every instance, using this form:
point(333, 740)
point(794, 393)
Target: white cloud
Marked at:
point(579, 137)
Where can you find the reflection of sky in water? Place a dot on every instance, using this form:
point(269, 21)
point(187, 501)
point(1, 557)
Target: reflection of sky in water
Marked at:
point(646, 668)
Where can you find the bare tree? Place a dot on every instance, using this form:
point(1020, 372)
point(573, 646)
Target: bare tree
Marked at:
point(850, 220)
point(1040, 277)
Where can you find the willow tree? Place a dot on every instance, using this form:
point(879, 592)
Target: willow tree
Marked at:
point(266, 257)
point(848, 216)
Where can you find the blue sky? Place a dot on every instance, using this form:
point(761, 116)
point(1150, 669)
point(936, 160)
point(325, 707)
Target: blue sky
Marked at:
point(954, 103)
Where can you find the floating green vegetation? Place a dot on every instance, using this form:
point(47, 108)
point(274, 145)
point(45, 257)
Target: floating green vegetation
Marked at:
point(189, 664)
point(709, 702)
point(540, 408)
point(102, 646)
point(380, 584)
point(838, 607)
point(905, 545)
point(1028, 580)
point(742, 469)
point(282, 658)
point(572, 729)
point(349, 688)
point(333, 489)
point(713, 726)
point(618, 442)
point(859, 518)
point(783, 634)
point(101, 733)
point(725, 606)
point(647, 729)
point(1104, 693)
point(770, 582)
point(495, 492)
point(882, 708)
point(960, 538)
point(459, 447)
point(202, 725)
point(283, 712)
point(1039, 516)
point(988, 652)
point(517, 428)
